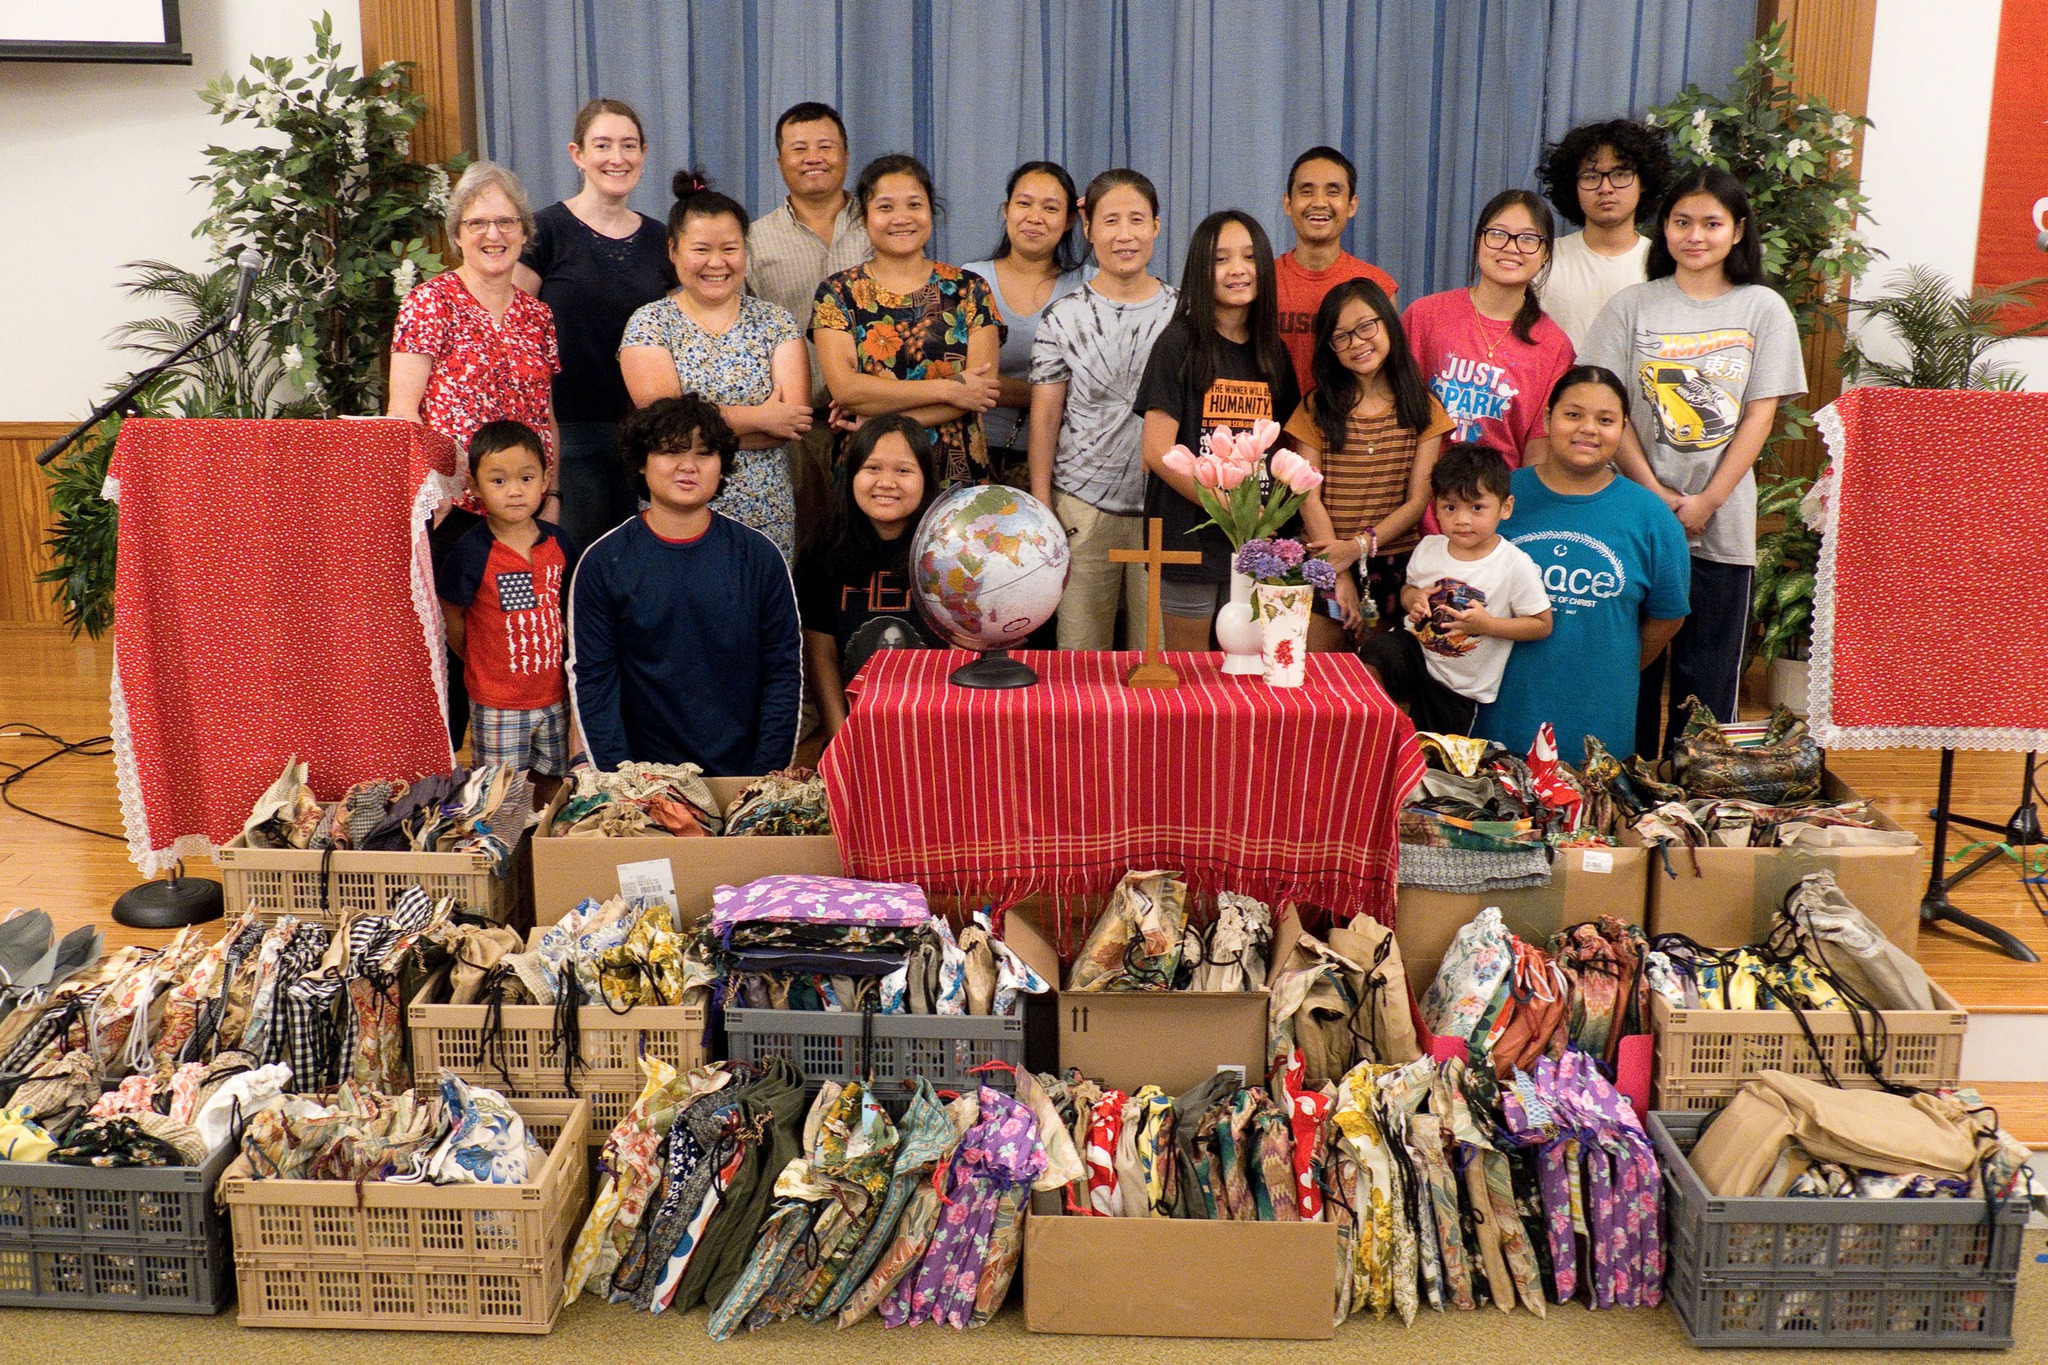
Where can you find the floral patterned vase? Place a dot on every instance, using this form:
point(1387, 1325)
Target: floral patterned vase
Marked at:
point(1238, 630)
point(1282, 612)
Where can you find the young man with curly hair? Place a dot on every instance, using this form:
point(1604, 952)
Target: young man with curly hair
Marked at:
point(1603, 177)
point(683, 638)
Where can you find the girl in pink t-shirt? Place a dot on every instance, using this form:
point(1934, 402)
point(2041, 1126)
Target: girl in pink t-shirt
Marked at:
point(1487, 351)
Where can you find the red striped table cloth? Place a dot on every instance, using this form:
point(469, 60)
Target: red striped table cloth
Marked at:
point(1281, 794)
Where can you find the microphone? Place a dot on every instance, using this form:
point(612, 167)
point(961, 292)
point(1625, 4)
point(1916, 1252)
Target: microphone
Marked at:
point(250, 263)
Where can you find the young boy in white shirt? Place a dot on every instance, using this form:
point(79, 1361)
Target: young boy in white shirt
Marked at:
point(1470, 595)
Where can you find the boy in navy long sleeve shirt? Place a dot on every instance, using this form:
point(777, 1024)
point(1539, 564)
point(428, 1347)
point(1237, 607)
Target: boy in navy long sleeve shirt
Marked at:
point(683, 632)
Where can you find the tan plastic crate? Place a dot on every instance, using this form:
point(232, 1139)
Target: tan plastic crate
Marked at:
point(1704, 1056)
point(612, 1044)
point(287, 881)
point(423, 1258)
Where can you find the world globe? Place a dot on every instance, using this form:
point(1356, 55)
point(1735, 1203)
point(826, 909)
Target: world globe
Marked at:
point(988, 565)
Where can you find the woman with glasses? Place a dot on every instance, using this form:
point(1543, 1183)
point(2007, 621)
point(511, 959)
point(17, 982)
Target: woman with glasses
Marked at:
point(1487, 351)
point(471, 348)
point(593, 260)
point(1604, 177)
point(1373, 429)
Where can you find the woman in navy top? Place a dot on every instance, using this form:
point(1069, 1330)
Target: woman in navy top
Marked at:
point(593, 259)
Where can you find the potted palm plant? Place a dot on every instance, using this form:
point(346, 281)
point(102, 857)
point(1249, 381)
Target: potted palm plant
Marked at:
point(1922, 334)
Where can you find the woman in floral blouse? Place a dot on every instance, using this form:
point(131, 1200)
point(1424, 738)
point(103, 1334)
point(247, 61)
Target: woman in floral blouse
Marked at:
point(470, 347)
point(710, 338)
point(904, 333)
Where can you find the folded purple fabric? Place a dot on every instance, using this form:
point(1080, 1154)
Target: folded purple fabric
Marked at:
point(796, 899)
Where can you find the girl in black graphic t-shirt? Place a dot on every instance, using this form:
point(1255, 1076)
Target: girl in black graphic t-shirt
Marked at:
point(853, 585)
point(1219, 362)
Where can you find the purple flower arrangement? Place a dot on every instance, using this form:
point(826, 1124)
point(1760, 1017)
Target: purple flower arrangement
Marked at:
point(1284, 562)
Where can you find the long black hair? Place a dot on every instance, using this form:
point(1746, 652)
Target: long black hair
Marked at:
point(1338, 390)
point(1745, 263)
point(1196, 308)
point(1066, 252)
point(846, 542)
point(1531, 311)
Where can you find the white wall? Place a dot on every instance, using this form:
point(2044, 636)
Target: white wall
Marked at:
point(1923, 157)
point(95, 170)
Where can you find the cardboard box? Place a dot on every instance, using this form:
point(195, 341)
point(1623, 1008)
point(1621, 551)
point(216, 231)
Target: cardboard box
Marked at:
point(566, 871)
point(1585, 883)
point(1172, 1039)
point(1176, 1277)
point(1735, 897)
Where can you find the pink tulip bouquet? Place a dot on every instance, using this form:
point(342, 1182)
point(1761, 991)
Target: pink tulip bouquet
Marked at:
point(1226, 478)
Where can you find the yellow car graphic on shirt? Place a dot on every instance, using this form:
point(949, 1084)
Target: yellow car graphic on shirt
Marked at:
point(1693, 412)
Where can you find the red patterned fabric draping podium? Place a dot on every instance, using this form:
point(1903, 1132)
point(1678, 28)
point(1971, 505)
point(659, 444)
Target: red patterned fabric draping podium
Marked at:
point(1281, 794)
point(273, 597)
point(1931, 605)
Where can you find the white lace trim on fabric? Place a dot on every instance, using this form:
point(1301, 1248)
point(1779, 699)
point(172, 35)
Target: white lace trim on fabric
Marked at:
point(426, 600)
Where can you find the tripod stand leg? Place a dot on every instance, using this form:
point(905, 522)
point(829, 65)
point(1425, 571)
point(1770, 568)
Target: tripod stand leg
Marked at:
point(1934, 906)
point(1936, 909)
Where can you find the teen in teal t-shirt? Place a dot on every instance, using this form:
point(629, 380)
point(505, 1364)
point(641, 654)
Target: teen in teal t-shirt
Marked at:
point(1614, 561)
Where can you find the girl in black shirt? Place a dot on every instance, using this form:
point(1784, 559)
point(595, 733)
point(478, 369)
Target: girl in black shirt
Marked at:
point(853, 584)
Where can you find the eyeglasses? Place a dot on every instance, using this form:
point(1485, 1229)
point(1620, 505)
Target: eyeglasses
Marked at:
point(1361, 335)
point(1524, 242)
point(1621, 177)
point(504, 227)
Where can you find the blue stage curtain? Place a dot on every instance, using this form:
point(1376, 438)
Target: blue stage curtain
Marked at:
point(1442, 103)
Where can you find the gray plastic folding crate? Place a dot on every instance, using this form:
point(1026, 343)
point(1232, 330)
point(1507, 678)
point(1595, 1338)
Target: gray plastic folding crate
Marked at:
point(1843, 1273)
point(145, 1240)
point(891, 1049)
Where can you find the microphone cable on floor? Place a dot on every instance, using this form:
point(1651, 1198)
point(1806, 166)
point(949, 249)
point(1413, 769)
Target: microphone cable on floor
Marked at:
point(100, 746)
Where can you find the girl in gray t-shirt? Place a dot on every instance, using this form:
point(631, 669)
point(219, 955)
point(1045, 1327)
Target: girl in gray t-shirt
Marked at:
point(1708, 350)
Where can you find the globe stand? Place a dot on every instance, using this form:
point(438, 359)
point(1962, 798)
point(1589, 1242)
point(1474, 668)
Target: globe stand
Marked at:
point(993, 671)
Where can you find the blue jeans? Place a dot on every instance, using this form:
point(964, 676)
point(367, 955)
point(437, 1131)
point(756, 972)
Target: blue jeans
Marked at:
point(597, 493)
point(1705, 656)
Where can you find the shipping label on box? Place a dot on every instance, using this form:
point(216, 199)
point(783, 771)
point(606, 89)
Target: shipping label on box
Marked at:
point(1175, 1040)
point(1585, 883)
point(568, 871)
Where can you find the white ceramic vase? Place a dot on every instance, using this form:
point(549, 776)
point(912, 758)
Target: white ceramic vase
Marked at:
point(1283, 611)
point(1238, 630)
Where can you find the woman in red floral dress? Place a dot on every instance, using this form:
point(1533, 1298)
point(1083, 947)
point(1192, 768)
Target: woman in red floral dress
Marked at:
point(471, 348)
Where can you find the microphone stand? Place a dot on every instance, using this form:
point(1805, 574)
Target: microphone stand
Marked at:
point(121, 400)
point(180, 900)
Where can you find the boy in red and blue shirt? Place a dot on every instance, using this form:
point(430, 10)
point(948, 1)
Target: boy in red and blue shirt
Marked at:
point(503, 586)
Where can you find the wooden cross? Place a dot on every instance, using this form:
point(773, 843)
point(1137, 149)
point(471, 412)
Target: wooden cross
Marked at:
point(1154, 671)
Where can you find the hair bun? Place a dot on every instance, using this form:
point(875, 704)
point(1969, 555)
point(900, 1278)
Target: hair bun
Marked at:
point(688, 182)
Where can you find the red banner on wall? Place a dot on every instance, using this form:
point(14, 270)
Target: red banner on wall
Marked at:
point(2012, 233)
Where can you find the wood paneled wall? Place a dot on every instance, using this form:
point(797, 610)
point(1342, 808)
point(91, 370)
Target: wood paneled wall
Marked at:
point(434, 35)
point(1829, 44)
point(25, 522)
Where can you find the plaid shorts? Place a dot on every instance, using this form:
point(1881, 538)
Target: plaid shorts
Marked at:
point(534, 741)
